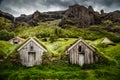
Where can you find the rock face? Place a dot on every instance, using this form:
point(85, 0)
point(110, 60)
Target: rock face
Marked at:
point(34, 18)
point(23, 18)
point(6, 15)
point(113, 16)
point(50, 16)
point(30, 19)
point(78, 15)
point(81, 16)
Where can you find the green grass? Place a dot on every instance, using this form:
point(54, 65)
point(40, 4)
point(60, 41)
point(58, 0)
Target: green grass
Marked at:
point(58, 47)
point(60, 69)
point(56, 70)
point(6, 48)
point(113, 52)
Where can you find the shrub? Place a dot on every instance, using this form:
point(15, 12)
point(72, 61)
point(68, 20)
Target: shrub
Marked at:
point(5, 24)
point(5, 35)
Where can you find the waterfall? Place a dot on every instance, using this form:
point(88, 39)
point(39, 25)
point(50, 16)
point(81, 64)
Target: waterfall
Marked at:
point(14, 19)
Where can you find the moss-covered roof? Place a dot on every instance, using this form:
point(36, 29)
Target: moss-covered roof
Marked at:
point(106, 40)
point(76, 42)
point(31, 38)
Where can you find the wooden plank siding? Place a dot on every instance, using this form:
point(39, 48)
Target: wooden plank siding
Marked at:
point(31, 53)
point(86, 56)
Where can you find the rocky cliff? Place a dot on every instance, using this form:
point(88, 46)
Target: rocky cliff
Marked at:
point(76, 15)
point(112, 16)
point(30, 19)
point(34, 18)
point(80, 16)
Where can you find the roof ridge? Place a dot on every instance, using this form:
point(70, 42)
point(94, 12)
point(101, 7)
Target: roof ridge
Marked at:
point(78, 42)
point(35, 41)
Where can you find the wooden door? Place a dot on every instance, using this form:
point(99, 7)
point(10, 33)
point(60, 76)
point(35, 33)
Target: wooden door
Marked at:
point(31, 58)
point(81, 59)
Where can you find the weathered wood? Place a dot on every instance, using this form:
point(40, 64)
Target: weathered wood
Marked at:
point(85, 56)
point(77, 62)
point(31, 53)
point(72, 57)
point(81, 59)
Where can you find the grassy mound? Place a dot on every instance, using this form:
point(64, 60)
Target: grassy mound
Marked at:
point(6, 48)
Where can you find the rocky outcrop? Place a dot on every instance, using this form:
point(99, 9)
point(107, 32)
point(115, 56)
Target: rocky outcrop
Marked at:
point(30, 19)
point(54, 15)
point(23, 18)
point(79, 15)
point(34, 18)
point(76, 15)
point(113, 16)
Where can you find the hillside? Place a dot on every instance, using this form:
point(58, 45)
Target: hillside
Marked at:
point(57, 31)
point(55, 65)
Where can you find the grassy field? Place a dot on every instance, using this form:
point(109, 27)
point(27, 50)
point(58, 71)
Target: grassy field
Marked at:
point(60, 68)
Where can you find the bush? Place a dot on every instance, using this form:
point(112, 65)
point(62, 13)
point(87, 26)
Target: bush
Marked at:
point(5, 24)
point(5, 35)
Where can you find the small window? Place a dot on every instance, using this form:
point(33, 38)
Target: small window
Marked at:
point(15, 42)
point(80, 49)
point(31, 48)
